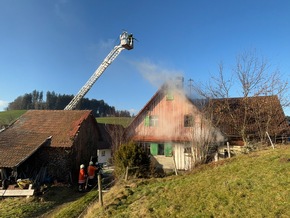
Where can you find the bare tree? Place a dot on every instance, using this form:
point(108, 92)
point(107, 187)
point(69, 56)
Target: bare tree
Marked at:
point(251, 76)
point(205, 140)
point(115, 134)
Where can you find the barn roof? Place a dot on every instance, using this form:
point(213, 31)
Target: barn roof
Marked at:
point(21, 139)
point(261, 111)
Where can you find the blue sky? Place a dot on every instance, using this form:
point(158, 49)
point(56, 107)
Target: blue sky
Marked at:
point(56, 45)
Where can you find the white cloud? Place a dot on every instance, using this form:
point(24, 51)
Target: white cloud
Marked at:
point(3, 105)
point(156, 74)
point(133, 111)
point(105, 44)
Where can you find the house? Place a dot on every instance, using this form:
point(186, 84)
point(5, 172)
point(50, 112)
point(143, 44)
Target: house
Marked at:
point(104, 151)
point(48, 143)
point(178, 131)
point(111, 135)
point(174, 130)
point(249, 119)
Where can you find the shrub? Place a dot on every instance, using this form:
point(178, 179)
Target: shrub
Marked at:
point(133, 156)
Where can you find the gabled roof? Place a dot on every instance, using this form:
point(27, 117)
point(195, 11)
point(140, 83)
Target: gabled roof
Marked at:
point(162, 135)
point(261, 111)
point(159, 92)
point(21, 139)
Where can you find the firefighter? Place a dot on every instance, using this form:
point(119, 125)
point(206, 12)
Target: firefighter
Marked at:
point(82, 178)
point(91, 173)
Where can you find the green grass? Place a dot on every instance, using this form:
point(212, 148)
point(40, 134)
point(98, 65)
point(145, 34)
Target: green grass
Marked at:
point(6, 117)
point(75, 208)
point(257, 185)
point(253, 185)
point(124, 121)
point(59, 201)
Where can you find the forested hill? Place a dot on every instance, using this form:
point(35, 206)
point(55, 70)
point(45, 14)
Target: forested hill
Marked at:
point(53, 101)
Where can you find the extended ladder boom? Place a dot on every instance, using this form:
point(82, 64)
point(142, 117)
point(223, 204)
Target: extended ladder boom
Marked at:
point(126, 42)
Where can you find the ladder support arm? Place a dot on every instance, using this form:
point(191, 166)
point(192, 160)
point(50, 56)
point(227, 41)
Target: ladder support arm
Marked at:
point(126, 42)
point(107, 61)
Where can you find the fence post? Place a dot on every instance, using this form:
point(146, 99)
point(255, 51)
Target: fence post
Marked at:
point(100, 189)
point(229, 150)
point(270, 140)
point(174, 163)
point(126, 174)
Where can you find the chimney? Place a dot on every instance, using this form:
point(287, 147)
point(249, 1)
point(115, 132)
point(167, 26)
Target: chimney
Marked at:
point(179, 81)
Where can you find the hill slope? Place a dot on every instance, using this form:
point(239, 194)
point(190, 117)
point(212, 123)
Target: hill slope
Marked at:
point(254, 185)
point(124, 121)
point(6, 117)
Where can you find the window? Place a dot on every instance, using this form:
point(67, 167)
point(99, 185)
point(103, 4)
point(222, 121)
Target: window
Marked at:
point(161, 149)
point(188, 120)
point(151, 120)
point(187, 150)
point(169, 95)
point(103, 153)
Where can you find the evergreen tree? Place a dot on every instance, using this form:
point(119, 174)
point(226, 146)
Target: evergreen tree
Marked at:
point(55, 101)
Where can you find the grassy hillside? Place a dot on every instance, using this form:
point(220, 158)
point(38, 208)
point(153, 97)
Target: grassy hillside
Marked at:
point(6, 117)
point(253, 185)
point(257, 185)
point(124, 121)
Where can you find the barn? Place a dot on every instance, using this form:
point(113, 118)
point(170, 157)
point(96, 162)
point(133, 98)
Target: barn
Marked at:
point(248, 119)
point(48, 144)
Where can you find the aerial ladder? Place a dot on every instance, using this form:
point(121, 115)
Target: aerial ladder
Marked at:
point(126, 42)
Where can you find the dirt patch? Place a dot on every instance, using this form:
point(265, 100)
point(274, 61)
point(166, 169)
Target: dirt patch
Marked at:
point(284, 160)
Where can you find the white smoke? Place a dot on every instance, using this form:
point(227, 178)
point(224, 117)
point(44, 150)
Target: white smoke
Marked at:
point(3, 105)
point(157, 75)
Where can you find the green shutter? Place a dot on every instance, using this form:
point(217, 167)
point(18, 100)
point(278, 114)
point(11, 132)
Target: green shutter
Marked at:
point(168, 150)
point(146, 121)
point(169, 95)
point(154, 148)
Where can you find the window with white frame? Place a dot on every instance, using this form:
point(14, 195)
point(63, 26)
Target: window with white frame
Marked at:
point(151, 120)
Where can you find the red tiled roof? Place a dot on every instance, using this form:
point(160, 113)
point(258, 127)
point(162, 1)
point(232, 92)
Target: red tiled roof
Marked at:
point(33, 128)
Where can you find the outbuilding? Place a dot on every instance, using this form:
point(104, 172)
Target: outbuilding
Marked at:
point(48, 144)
